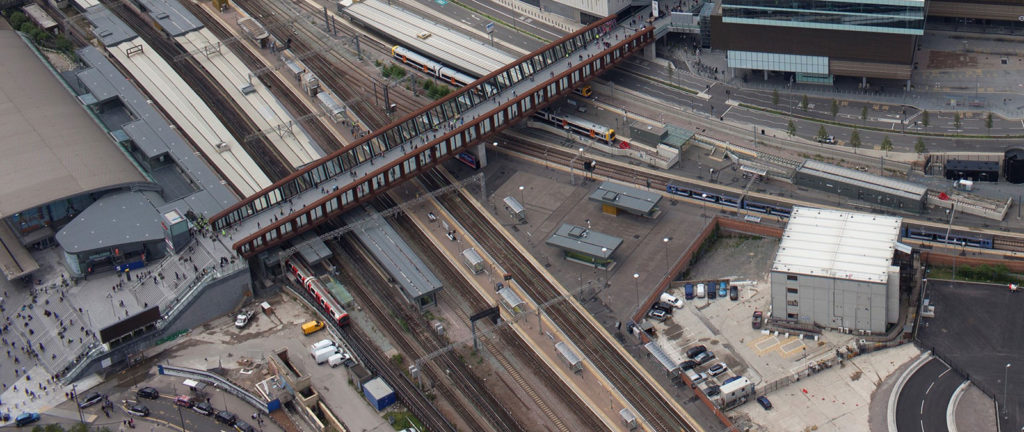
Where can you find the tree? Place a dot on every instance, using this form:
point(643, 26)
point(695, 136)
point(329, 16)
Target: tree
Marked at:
point(864, 113)
point(791, 128)
point(886, 144)
point(835, 108)
point(855, 139)
point(919, 145)
point(17, 19)
point(925, 118)
point(822, 133)
point(775, 97)
point(988, 123)
point(956, 120)
point(804, 102)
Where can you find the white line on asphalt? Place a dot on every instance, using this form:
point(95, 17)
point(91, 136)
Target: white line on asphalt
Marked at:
point(945, 372)
point(930, 387)
point(922, 425)
point(922, 407)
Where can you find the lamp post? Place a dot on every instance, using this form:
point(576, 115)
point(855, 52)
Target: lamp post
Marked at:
point(522, 195)
point(636, 289)
point(665, 240)
point(1006, 374)
point(81, 418)
point(703, 204)
point(604, 251)
point(181, 417)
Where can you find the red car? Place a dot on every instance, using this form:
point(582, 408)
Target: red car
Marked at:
point(757, 319)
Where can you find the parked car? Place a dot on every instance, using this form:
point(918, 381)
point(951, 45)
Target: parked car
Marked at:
point(90, 400)
point(225, 417)
point(827, 139)
point(704, 357)
point(701, 290)
point(26, 418)
point(184, 401)
point(242, 426)
point(688, 291)
point(765, 403)
point(138, 409)
point(723, 289)
point(734, 293)
point(718, 368)
point(243, 318)
point(695, 351)
point(667, 307)
point(712, 292)
point(658, 314)
point(713, 390)
point(687, 365)
point(756, 319)
point(676, 302)
point(148, 393)
point(203, 408)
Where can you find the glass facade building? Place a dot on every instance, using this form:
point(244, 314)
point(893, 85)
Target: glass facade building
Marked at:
point(876, 16)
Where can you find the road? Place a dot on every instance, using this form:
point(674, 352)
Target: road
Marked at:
point(922, 402)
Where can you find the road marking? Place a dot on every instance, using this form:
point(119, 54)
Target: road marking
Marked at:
point(945, 372)
point(930, 387)
point(922, 412)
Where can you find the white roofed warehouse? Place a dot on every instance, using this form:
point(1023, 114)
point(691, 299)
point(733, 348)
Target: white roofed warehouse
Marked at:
point(834, 269)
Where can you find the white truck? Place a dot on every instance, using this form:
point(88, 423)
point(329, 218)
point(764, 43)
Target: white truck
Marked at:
point(324, 354)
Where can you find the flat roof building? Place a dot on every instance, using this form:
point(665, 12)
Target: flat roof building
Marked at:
point(584, 245)
point(834, 269)
point(419, 284)
point(853, 184)
point(817, 40)
point(614, 197)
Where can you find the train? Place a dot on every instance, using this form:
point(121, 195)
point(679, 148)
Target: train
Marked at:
point(579, 126)
point(431, 67)
point(936, 235)
point(729, 201)
point(954, 238)
point(583, 90)
point(316, 289)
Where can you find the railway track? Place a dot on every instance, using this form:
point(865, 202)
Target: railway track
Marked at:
point(308, 119)
point(377, 363)
point(223, 106)
point(645, 398)
point(470, 302)
point(345, 77)
point(413, 335)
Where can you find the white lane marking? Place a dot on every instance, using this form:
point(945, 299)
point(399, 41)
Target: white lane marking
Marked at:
point(945, 372)
point(930, 387)
point(922, 407)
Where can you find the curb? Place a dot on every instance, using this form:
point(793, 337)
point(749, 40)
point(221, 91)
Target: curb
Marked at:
point(953, 401)
point(894, 395)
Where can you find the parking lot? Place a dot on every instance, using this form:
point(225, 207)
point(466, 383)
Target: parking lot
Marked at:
point(976, 330)
point(839, 396)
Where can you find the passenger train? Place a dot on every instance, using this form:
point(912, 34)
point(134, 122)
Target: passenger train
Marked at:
point(431, 67)
point(579, 126)
point(316, 289)
point(981, 241)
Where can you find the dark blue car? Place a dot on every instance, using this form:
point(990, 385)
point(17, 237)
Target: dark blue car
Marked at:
point(26, 418)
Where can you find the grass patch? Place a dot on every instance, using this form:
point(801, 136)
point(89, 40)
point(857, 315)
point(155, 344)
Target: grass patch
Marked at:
point(983, 273)
point(404, 419)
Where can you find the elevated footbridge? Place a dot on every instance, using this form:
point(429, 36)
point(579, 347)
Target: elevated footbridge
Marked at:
point(416, 143)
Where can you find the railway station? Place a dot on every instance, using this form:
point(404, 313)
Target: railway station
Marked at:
point(883, 191)
point(584, 245)
point(419, 285)
point(615, 198)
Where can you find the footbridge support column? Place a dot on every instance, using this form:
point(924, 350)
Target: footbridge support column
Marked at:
point(649, 52)
point(480, 152)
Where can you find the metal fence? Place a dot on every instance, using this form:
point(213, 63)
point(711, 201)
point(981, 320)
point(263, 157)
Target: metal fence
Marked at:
point(217, 381)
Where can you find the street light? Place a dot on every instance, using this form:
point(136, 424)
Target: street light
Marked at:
point(604, 252)
point(665, 240)
point(522, 195)
point(636, 289)
point(1006, 373)
point(704, 204)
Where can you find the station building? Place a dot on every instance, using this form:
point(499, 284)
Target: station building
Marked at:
point(583, 245)
point(816, 40)
point(615, 198)
point(834, 269)
point(874, 189)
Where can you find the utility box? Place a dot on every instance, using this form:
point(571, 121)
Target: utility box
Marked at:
point(379, 393)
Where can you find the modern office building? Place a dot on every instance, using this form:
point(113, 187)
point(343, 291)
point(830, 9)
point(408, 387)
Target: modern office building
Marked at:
point(816, 40)
point(834, 269)
point(985, 12)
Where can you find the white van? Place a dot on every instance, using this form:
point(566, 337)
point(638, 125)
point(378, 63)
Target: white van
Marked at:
point(676, 302)
point(337, 359)
point(320, 345)
point(324, 353)
point(701, 290)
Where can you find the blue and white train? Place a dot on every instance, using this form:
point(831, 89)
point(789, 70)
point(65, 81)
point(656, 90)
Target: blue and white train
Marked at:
point(729, 201)
point(431, 67)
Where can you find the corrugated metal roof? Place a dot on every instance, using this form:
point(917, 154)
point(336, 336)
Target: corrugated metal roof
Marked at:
point(172, 16)
point(659, 354)
point(625, 197)
point(394, 254)
point(567, 353)
point(839, 244)
point(876, 182)
point(580, 239)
